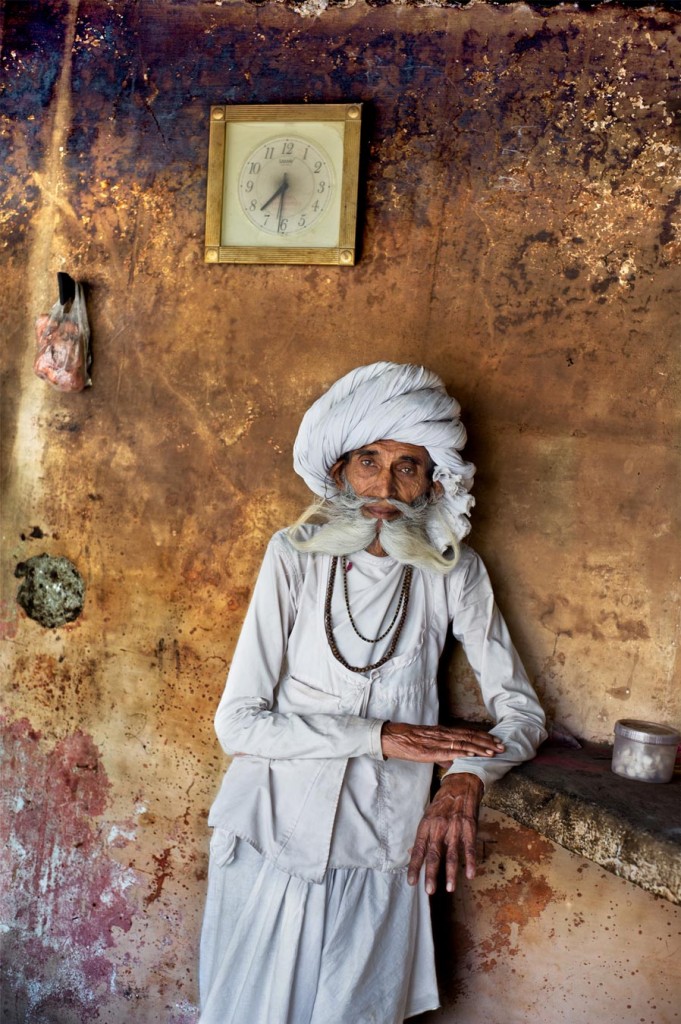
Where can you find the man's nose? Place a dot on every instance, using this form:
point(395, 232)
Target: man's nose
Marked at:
point(384, 485)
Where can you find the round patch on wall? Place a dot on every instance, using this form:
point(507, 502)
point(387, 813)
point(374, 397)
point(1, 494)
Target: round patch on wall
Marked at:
point(53, 591)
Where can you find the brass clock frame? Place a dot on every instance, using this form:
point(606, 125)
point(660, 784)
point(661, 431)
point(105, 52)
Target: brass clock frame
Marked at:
point(303, 117)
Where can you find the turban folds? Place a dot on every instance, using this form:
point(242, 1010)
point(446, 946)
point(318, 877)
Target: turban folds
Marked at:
point(388, 402)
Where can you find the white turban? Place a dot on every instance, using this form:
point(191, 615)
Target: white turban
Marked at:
point(388, 402)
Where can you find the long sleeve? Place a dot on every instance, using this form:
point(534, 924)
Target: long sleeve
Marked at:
point(506, 691)
point(245, 721)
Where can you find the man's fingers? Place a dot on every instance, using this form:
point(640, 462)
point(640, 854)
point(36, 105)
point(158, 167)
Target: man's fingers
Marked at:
point(418, 853)
point(427, 850)
point(463, 741)
point(470, 831)
point(477, 743)
point(436, 742)
point(452, 859)
point(433, 858)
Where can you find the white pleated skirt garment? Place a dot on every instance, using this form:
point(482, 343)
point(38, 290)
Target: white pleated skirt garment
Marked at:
point(275, 949)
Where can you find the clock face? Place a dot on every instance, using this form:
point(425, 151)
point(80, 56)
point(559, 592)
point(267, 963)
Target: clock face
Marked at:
point(286, 185)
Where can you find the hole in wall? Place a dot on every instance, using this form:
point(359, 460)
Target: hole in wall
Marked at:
point(52, 592)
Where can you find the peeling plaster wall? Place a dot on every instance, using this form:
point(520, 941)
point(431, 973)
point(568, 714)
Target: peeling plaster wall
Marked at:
point(519, 236)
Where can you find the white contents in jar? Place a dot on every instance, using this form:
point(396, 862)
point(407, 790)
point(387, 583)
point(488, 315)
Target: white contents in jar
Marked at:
point(644, 750)
point(642, 761)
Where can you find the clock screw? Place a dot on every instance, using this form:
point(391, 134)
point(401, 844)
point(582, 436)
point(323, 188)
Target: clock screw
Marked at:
point(346, 256)
point(211, 255)
point(218, 114)
point(353, 112)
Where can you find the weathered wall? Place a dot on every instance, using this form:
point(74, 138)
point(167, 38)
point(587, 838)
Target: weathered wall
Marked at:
point(542, 935)
point(519, 236)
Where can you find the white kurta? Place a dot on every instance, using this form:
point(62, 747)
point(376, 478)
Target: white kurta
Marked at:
point(310, 790)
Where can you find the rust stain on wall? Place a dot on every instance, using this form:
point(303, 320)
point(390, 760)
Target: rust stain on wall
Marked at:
point(520, 896)
point(161, 873)
point(520, 844)
point(517, 901)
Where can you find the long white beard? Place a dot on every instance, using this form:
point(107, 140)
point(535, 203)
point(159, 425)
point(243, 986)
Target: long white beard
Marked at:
point(345, 530)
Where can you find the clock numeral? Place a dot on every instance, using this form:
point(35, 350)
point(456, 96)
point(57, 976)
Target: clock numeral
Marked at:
point(269, 198)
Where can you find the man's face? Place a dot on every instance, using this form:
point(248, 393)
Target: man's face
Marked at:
point(386, 469)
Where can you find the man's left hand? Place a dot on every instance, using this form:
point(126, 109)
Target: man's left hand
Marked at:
point(450, 824)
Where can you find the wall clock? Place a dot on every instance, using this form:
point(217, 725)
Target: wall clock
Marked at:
point(282, 183)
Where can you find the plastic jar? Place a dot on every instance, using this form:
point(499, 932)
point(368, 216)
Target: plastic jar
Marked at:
point(644, 750)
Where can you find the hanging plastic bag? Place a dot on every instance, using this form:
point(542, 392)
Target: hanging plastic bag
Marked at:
point(63, 344)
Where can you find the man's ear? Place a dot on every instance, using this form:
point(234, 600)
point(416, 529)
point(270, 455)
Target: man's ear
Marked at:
point(437, 490)
point(336, 473)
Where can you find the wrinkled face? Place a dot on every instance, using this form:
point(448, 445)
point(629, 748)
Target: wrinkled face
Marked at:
point(385, 470)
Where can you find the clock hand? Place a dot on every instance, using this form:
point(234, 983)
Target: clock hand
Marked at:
point(280, 192)
point(281, 202)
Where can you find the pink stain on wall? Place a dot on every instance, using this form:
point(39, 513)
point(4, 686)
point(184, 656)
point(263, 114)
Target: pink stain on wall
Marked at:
point(8, 620)
point(62, 894)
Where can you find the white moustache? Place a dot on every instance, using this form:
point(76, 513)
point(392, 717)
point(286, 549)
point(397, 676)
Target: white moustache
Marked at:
point(345, 530)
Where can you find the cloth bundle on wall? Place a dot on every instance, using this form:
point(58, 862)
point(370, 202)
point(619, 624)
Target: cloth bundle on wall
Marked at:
point(63, 339)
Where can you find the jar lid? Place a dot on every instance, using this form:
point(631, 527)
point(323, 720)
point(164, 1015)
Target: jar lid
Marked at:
point(646, 732)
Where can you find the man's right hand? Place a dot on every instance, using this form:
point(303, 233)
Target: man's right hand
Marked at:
point(436, 744)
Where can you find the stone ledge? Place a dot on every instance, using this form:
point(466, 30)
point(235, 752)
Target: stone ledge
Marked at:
point(572, 797)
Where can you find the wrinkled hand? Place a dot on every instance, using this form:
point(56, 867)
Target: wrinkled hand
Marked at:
point(436, 744)
point(449, 825)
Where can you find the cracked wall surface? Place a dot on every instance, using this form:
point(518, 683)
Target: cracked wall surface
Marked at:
point(519, 234)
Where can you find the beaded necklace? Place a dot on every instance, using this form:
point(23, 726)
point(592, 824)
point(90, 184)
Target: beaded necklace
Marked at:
point(402, 604)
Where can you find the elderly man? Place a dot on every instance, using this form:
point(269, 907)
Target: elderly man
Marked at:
point(323, 823)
